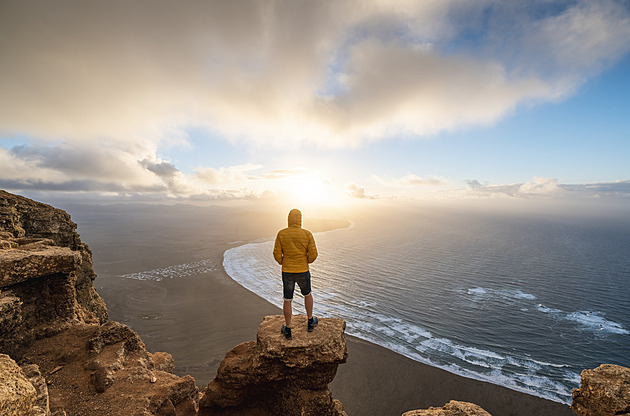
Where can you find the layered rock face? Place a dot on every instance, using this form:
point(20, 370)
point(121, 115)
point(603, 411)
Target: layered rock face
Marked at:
point(603, 391)
point(58, 353)
point(46, 273)
point(275, 376)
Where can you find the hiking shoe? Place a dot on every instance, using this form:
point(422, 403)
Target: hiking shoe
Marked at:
point(286, 331)
point(312, 323)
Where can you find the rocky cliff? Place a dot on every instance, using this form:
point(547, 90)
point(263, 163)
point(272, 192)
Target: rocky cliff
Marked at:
point(275, 376)
point(46, 275)
point(59, 355)
point(55, 326)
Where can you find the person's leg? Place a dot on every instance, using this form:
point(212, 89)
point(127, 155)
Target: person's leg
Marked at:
point(288, 285)
point(287, 309)
point(308, 304)
point(304, 281)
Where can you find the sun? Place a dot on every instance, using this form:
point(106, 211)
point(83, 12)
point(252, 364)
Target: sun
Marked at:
point(311, 189)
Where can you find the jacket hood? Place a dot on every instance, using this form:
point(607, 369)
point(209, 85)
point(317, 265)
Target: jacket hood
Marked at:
point(295, 218)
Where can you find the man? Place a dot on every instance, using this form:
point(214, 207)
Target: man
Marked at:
point(295, 250)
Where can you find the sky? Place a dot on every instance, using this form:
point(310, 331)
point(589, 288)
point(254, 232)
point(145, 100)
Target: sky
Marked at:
point(315, 102)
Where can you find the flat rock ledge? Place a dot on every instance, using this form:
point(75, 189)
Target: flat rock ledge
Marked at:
point(273, 375)
point(452, 408)
point(18, 266)
point(603, 391)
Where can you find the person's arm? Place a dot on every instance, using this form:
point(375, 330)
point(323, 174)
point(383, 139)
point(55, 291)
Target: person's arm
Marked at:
point(311, 250)
point(277, 250)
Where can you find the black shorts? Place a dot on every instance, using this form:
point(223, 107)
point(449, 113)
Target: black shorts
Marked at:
point(290, 279)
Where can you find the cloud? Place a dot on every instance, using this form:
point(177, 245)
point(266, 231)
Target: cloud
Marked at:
point(412, 180)
point(541, 186)
point(473, 184)
point(89, 167)
point(222, 177)
point(331, 74)
point(354, 191)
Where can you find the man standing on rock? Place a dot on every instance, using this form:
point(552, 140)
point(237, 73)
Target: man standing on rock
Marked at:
point(295, 250)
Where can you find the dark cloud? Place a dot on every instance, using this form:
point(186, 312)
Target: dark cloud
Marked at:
point(161, 169)
point(474, 183)
point(77, 186)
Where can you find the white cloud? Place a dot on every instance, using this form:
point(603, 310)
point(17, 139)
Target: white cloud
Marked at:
point(327, 73)
point(412, 180)
point(354, 191)
point(541, 186)
point(230, 177)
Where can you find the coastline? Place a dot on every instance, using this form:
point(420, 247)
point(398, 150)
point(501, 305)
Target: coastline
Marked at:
point(198, 319)
point(376, 381)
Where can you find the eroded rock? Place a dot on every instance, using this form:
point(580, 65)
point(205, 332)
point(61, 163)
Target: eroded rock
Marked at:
point(26, 224)
point(278, 376)
point(452, 408)
point(105, 370)
point(603, 391)
point(17, 394)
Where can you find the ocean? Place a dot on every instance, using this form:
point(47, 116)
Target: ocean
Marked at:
point(525, 300)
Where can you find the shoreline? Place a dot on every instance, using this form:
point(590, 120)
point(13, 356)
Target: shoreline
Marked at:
point(391, 383)
point(199, 319)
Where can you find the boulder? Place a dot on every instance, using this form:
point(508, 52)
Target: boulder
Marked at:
point(603, 391)
point(38, 381)
point(452, 408)
point(274, 375)
point(17, 394)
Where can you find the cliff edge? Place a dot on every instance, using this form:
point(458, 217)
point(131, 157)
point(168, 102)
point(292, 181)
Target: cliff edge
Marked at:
point(273, 375)
point(59, 355)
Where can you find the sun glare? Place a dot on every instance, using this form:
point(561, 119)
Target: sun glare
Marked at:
point(312, 190)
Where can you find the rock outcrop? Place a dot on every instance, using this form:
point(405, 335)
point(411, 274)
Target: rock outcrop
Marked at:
point(106, 370)
point(46, 273)
point(272, 375)
point(452, 408)
point(54, 325)
point(17, 394)
point(603, 391)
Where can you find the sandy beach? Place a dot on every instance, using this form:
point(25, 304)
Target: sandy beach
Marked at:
point(199, 318)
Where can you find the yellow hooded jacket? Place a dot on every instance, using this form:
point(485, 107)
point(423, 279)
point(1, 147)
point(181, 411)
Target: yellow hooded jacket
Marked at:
point(295, 247)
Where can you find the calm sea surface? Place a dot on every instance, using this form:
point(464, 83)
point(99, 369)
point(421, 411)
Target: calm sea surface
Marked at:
point(525, 301)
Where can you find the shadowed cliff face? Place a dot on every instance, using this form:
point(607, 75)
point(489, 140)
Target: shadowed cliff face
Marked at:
point(274, 376)
point(46, 274)
point(24, 223)
point(54, 324)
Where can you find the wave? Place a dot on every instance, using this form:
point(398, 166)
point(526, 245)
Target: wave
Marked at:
point(594, 321)
point(250, 266)
point(503, 293)
point(173, 272)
